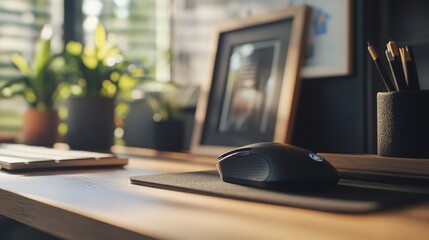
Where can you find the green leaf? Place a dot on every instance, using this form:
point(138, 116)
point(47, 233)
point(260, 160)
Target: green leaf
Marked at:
point(102, 52)
point(110, 55)
point(74, 48)
point(89, 58)
point(38, 83)
point(42, 56)
point(21, 64)
point(47, 32)
point(100, 36)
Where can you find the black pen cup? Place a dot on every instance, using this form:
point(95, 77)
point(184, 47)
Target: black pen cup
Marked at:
point(403, 124)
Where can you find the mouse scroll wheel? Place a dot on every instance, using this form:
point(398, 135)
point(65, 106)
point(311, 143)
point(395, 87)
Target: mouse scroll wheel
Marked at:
point(316, 157)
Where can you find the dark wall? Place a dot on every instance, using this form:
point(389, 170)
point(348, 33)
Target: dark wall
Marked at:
point(337, 114)
point(332, 114)
point(409, 25)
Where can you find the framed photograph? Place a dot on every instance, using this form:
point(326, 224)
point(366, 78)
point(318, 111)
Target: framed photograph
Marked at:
point(252, 93)
point(330, 32)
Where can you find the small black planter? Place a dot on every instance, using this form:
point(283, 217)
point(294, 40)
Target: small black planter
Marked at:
point(90, 123)
point(168, 135)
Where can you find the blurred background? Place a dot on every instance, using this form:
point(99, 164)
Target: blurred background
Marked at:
point(173, 39)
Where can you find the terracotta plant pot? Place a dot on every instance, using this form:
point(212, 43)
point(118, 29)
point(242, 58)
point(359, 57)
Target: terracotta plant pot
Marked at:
point(90, 123)
point(40, 127)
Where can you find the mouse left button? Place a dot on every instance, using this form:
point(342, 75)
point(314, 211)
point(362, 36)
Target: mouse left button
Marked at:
point(252, 168)
point(236, 154)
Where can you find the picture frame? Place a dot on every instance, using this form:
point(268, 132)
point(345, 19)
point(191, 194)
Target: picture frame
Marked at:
point(330, 30)
point(252, 93)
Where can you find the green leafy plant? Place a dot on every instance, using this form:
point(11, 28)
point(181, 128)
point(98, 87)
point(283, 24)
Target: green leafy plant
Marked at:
point(166, 99)
point(38, 82)
point(99, 70)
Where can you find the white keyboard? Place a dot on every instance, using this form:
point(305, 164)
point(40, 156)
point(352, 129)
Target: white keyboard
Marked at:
point(17, 156)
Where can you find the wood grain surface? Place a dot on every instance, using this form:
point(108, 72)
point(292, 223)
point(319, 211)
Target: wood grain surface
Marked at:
point(103, 204)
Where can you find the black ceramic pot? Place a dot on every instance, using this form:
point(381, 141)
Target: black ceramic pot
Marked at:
point(90, 123)
point(168, 135)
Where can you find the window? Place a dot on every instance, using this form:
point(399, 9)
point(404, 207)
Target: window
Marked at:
point(140, 28)
point(193, 32)
point(20, 24)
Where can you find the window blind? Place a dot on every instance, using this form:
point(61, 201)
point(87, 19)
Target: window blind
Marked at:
point(140, 28)
point(20, 24)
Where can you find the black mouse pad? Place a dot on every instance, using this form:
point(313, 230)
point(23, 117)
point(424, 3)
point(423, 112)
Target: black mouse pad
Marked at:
point(346, 197)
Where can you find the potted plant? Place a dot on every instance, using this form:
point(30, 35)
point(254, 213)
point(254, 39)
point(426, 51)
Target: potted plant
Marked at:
point(166, 102)
point(38, 84)
point(99, 72)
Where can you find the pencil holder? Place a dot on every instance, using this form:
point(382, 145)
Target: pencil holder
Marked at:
point(403, 124)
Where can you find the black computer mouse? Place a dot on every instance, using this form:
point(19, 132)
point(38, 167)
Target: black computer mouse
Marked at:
point(276, 166)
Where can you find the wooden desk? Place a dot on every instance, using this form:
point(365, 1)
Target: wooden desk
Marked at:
point(102, 204)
